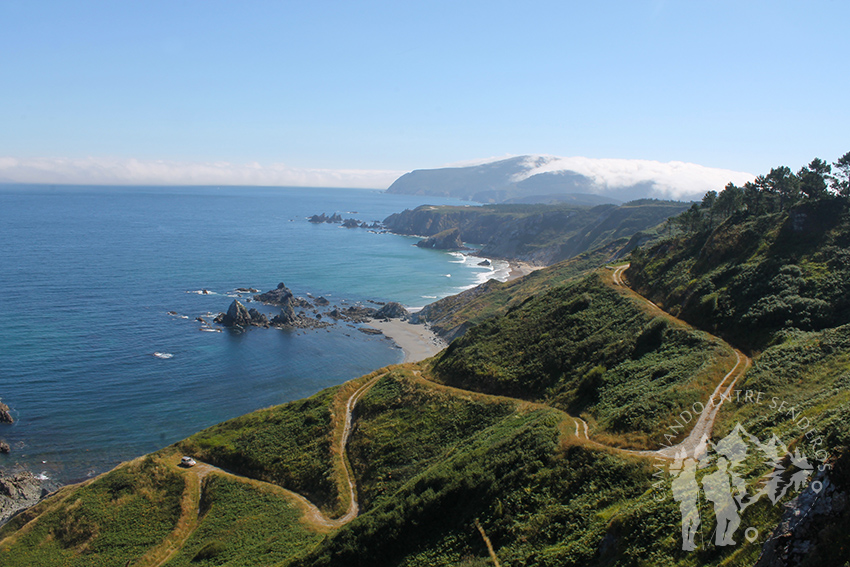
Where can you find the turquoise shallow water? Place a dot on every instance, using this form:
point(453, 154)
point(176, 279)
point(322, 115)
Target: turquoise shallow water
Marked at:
point(88, 276)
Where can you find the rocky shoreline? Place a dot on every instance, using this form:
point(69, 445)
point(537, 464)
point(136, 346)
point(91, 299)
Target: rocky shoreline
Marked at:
point(19, 491)
point(315, 314)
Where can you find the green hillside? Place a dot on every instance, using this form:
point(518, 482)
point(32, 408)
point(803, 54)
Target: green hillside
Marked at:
point(540, 234)
point(779, 260)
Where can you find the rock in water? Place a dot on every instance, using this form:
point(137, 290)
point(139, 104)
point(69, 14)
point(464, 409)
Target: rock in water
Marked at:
point(392, 310)
point(445, 240)
point(258, 318)
point(4, 447)
point(236, 315)
point(282, 295)
point(5, 416)
point(286, 318)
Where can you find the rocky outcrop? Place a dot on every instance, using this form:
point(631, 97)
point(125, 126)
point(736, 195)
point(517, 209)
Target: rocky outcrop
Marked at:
point(802, 533)
point(238, 316)
point(19, 491)
point(354, 314)
point(446, 240)
point(5, 416)
point(257, 318)
point(286, 317)
point(281, 296)
point(321, 302)
point(335, 218)
point(392, 310)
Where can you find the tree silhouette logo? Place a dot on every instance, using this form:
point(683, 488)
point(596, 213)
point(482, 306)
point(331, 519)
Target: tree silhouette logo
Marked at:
point(713, 479)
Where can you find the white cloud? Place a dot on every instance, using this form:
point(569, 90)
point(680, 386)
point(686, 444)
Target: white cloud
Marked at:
point(674, 179)
point(116, 171)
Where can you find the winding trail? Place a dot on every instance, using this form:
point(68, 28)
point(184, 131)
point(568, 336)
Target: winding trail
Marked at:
point(190, 513)
point(190, 517)
point(694, 443)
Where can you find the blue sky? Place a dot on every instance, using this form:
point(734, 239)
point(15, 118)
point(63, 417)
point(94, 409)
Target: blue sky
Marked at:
point(392, 86)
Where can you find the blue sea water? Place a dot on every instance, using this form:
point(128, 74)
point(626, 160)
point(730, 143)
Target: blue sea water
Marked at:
point(89, 274)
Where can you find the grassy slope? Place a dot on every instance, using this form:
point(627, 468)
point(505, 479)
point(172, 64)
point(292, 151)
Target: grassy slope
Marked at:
point(588, 349)
point(116, 518)
point(403, 427)
point(451, 316)
point(243, 525)
point(288, 445)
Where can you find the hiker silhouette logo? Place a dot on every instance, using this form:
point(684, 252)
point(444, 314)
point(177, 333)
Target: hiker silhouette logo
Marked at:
point(714, 478)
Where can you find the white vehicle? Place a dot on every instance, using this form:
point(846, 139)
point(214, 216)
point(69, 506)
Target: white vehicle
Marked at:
point(187, 462)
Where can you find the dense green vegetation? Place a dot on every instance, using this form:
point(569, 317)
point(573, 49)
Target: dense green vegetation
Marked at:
point(115, 519)
point(453, 315)
point(538, 504)
point(541, 234)
point(587, 348)
point(765, 268)
point(404, 427)
point(288, 445)
point(243, 525)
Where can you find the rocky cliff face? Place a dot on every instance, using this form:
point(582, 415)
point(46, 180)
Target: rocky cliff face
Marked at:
point(19, 491)
point(538, 234)
point(446, 240)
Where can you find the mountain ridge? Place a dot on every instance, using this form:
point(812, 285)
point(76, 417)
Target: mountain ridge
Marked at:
point(542, 177)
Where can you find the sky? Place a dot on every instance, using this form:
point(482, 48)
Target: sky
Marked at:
point(357, 93)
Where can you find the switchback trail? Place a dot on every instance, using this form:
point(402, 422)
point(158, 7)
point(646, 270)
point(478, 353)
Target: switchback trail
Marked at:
point(705, 422)
point(190, 515)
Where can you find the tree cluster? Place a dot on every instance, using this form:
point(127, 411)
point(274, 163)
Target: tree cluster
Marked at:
point(775, 192)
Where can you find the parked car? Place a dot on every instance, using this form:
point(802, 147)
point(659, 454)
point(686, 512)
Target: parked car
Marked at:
point(187, 462)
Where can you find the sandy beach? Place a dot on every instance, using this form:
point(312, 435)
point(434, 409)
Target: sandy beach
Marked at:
point(520, 269)
point(417, 341)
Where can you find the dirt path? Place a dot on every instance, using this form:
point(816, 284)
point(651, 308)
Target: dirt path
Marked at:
point(693, 443)
point(190, 516)
point(353, 506)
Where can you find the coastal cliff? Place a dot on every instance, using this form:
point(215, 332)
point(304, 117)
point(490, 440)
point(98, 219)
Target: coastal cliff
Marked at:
point(537, 234)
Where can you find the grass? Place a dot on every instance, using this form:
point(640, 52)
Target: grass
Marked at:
point(115, 519)
point(592, 350)
point(403, 427)
point(243, 525)
point(288, 445)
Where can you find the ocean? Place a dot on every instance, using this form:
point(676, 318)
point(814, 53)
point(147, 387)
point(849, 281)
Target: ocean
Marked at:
point(88, 276)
